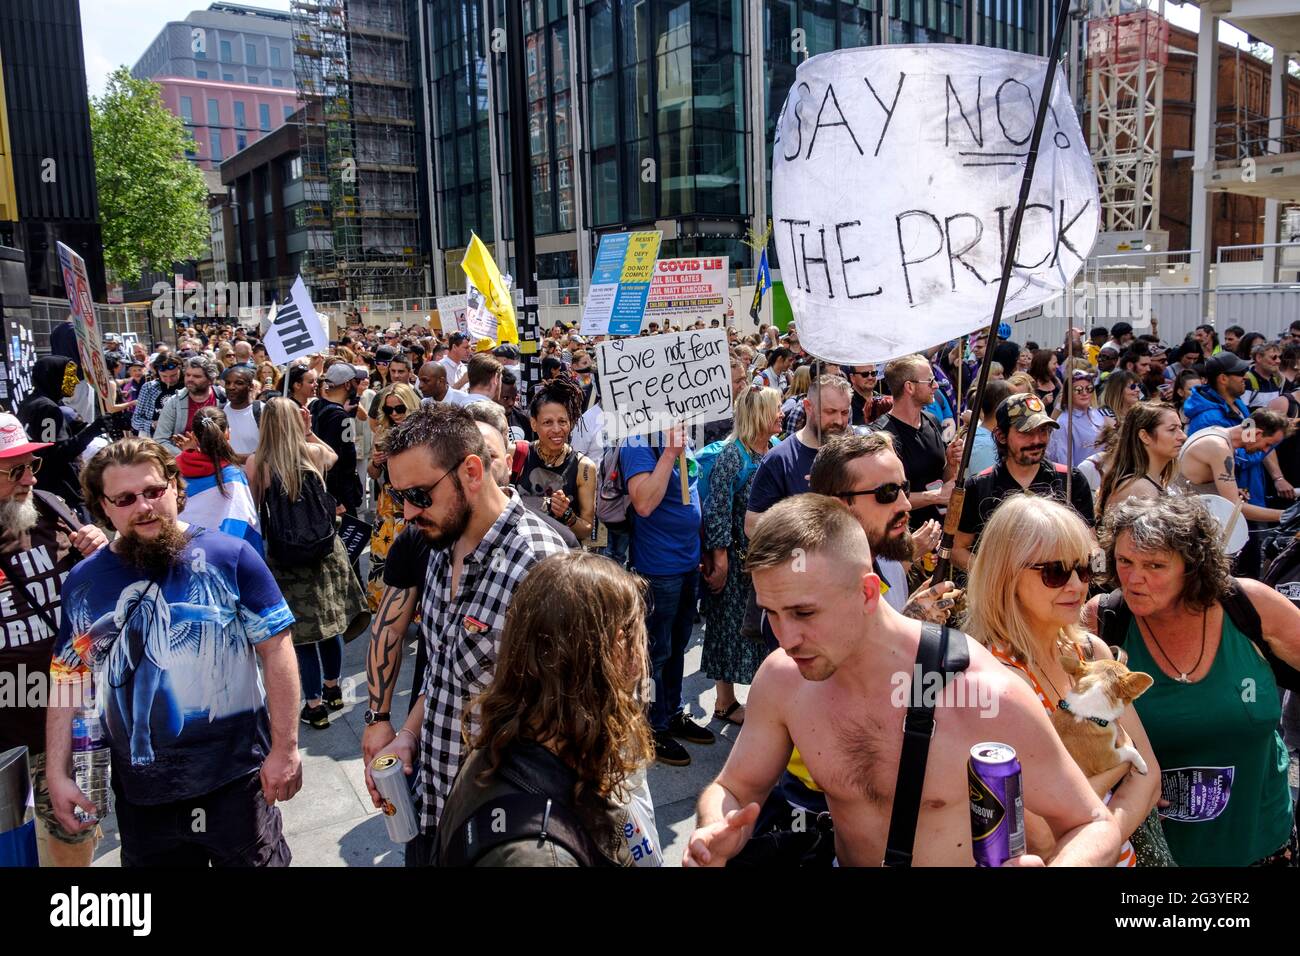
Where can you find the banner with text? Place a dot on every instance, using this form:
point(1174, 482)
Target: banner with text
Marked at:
point(90, 337)
point(650, 383)
point(294, 330)
point(451, 312)
point(620, 283)
point(684, 291)
point(895, 174)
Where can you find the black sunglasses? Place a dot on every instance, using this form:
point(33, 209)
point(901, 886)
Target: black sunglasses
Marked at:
point(1055, 574)
point(420, 497)
point(391, 410)
point(886, 494)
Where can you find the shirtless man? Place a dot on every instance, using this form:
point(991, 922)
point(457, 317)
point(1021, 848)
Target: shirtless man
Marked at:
point(1207, 462)
point(831, 691)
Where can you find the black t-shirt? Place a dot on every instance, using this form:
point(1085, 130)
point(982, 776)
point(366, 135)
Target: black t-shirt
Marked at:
point(986, 490)
point(922, 453)
point(407, 561)
point(336, 428)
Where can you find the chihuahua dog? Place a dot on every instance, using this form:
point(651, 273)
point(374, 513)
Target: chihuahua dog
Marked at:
point(1085, 720)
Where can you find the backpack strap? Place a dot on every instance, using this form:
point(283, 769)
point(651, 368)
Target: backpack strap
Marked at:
point(60, 508)
point(944, 651)
point(520, 816)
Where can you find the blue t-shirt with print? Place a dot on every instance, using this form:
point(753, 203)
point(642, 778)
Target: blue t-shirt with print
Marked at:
point(667, 541)
point(174, 666)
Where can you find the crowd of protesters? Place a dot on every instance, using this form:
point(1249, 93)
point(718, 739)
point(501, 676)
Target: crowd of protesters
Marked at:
point(203, 520)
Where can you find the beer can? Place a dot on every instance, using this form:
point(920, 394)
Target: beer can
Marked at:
point(997, 809)
point(399, 807)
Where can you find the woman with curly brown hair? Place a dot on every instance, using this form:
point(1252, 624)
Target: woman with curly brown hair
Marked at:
point(562, 737)
point(1217, 647)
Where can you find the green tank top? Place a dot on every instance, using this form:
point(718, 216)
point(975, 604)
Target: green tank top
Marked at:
point(1222, 761)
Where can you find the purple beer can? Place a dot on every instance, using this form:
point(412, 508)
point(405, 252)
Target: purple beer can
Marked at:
point(997, 809)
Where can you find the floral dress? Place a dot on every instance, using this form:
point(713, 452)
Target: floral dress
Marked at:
point(727, 655)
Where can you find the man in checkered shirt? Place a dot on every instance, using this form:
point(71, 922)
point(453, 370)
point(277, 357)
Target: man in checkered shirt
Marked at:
point(484, 543)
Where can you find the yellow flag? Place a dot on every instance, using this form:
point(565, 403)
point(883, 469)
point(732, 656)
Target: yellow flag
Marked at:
point(482, 270)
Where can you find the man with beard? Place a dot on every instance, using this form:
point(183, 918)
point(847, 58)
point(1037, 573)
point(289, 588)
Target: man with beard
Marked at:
point(484, 541)
point(43, 416)
point(169, 623)
point(155, 393)
point(864, 472)
point(201, 391)
point(40, 542)
point(1023, 431)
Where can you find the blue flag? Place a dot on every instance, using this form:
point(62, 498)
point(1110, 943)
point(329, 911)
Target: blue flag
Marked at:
point(762, 282)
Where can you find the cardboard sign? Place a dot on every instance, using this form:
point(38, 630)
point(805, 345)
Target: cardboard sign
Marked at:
point(451, 312)
point(684, 291)
point(90, 338)
point(355, 535)
point(620, 283)
point(895, 175)
point(294, 329)
point(651, 383)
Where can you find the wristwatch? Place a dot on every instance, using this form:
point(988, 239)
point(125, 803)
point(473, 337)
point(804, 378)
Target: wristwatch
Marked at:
point(374, 716)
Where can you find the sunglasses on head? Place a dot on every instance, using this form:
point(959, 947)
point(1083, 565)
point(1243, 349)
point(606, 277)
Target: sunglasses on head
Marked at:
point(886, 494)
point(1056, 574)
point(17, 471)
point(391, 410)
point(128, 498)
point(420, 497)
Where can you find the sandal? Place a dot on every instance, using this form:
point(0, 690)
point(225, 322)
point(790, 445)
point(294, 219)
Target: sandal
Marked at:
point(725, 715)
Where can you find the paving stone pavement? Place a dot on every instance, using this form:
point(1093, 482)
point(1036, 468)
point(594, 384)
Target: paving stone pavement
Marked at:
point(332, 823)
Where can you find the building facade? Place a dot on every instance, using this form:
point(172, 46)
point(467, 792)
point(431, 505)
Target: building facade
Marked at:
point(644, 113)
point(225, 118)
point(228, 42)
point(47, 168)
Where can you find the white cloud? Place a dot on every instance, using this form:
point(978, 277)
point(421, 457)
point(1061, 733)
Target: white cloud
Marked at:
point(117, 32)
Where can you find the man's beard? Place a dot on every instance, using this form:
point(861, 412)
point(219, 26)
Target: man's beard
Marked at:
point(898, 548)
point(1028, 456)
point(833, 430)
point(154, 556)
point(444, 536)
point(19, 516)
point(200, 392)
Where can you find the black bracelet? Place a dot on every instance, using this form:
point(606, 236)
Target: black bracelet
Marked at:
point(569, 518)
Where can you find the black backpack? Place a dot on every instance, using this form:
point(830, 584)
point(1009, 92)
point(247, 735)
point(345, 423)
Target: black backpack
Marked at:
point(1113, 617)
point(299, 533)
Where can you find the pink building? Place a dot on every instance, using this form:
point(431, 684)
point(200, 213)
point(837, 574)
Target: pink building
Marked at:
point(225, 117)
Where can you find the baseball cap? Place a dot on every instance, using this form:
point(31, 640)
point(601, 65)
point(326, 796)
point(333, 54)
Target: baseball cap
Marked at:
point(13, 438)
point(384, 354)
point(1112, 349)
point(1023, 412)
point(340, 374)
point(506, 351)
point(1225, 363)
point(361, 371)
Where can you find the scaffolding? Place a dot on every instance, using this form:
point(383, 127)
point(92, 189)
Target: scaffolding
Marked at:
point(1127, 55)
point(352, 66)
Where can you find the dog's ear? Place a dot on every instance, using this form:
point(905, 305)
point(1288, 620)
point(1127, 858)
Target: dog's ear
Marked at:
point(1119, 654)
point(1134, 684)
point(1071, 664)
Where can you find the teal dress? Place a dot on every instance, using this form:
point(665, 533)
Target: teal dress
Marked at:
point(1223, 765)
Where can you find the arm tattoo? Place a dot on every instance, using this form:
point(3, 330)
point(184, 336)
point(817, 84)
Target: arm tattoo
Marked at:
point(1229, 472)
point(384, 656)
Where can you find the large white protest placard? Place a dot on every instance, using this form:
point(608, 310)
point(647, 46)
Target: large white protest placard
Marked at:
point(295, 330)
point(895, 175)
point(652, 382)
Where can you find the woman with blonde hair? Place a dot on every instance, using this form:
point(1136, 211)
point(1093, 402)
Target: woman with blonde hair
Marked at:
point(729, 658)
point(393, 404)
point(1145, 456)
point(1027, 586)
point(562, 728)
point(326, 599)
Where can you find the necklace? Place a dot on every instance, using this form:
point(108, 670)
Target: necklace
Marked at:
point(1182, 677)
point(559, 459)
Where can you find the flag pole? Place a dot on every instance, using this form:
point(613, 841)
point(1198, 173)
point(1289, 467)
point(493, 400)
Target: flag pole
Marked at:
point(942, 570)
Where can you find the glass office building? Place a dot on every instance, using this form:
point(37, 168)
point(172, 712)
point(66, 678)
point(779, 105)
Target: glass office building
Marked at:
point(651, 114)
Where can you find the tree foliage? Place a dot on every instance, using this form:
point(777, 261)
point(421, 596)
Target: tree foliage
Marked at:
point(153, 202)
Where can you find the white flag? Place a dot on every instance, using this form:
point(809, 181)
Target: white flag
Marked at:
point(295, 330)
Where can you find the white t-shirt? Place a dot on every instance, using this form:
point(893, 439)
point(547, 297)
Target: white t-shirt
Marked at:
point(588, 436)
point(244, 432)
point(894, 575)
point(457, 397)
point(454, 369)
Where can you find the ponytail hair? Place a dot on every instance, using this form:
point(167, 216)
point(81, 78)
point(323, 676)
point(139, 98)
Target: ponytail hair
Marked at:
point(210, 427)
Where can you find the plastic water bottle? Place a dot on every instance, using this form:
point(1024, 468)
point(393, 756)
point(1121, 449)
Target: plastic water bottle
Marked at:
point(91, 762)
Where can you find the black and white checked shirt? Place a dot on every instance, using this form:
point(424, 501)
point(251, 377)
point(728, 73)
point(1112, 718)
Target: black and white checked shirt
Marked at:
point(462, 636)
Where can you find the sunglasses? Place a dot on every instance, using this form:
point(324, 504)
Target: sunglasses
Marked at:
point(1055, 574)
point(391, 410)
point(128, 498)
point(382, 364)
point(1135, 386)
point(886, 494)
point(1083, 390)
point(420, 497)
point(931, 382)
point(17, 471)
